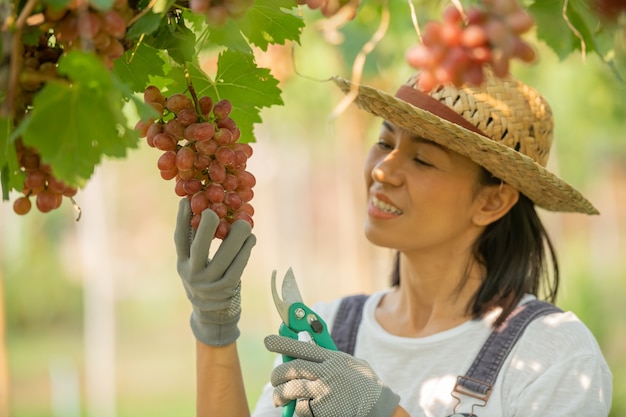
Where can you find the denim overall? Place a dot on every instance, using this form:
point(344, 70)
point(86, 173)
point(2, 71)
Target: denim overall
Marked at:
point(479, 379)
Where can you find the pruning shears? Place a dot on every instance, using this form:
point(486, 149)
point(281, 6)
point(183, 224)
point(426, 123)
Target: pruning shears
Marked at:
point(299, 322)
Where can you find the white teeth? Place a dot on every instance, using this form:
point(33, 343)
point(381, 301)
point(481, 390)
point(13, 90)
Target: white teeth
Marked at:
point(385, 206)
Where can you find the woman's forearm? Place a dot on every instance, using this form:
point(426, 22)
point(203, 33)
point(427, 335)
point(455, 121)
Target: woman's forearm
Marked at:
point(220, 387)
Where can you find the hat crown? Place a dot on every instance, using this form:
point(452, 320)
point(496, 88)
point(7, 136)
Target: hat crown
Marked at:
point(506, 111)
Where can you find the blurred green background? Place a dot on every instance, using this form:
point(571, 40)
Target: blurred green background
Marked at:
point(96, 321)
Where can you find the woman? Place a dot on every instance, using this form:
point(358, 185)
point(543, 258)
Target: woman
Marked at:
point(452, 185)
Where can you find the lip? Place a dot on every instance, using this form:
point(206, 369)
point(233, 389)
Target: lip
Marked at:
point(374, 209)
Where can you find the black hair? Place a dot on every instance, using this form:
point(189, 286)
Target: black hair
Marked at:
point(514, 251)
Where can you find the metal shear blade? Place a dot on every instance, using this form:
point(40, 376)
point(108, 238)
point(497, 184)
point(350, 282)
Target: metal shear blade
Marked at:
point(289, 292)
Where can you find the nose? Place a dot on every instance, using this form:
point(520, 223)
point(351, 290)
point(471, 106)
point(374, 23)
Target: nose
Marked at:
point(387, 170)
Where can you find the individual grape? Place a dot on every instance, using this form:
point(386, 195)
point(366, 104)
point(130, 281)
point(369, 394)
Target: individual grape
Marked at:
point(207, 147)
point(217, 172)
point(168, 175)
point(179, 188)
point(246, 179)
point(245, 193)
point(222, 109)
point(199, 202)
point(177, 102)
point(187, 116)
point(206, 105)
point(203, 132)
point(225, 156)
point(167, 161)
point(223, 227)
point(223, 136)
point(153, 95)
point(202, 161)
point(46, 201)
point(185, 158)
point(230, 183)
point(175, 128)
point(113, 23)
point(35, 180)
point(22, 205)
point(233, 200)
point(242, 215)
point(164, 142)
point(192, 186)
point(215, 193)
point(220, 209)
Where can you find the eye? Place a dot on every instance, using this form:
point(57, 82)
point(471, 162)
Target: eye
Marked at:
point(422, 162)
point(383, 144)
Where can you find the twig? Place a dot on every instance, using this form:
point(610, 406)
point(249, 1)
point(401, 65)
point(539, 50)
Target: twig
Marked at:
point(414, 20)
point(142, 13)
point(359, 61)
point(16, 53)
point(583, 46)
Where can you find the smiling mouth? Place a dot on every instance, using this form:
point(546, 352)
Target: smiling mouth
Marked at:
point(386, 207)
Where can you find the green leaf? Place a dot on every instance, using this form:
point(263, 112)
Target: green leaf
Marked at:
point(57, 4)
point(102, 4)
point(12, 176)
point(229, 35)
point(248, 87)
point(268, 22)
point(177, 39)
point(74, 125)
point(552, 28)
point(146, 25)
point(138, 65)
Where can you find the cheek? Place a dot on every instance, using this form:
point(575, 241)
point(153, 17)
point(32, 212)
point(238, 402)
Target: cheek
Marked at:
point(370, 163)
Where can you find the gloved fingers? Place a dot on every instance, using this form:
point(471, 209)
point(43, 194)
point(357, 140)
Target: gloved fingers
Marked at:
point(298, 389)
point(297, 349)
point(295, 370)
point(303, 408)
point(183, 228)
point(202, 241)
point(233, 246)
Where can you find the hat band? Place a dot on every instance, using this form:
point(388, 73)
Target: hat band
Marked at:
point(434, 106)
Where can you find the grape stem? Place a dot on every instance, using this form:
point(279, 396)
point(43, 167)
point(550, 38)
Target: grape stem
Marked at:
point(16, 52)
point(192, 91)
point(142, 13)
point(79, 212)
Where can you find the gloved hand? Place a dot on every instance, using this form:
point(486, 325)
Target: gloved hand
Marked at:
point(327, 383)
point(213, 286)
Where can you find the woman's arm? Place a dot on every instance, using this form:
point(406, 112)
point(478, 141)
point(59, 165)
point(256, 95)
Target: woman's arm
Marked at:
point(220, 388)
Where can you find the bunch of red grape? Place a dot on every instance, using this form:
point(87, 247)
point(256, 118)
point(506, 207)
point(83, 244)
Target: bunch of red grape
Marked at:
point(457, 49)
point(217, 12)
point(199, 141)
point(39, 66)
point(39, 183)
point(330, 8)
point(80, 25)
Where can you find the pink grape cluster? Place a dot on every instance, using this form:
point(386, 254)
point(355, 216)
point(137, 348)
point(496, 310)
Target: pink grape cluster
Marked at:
point(217, 12)
point(457, 49)
point(39, 183)
point(81, 25)
point(199, 141)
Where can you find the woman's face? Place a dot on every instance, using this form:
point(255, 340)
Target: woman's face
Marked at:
point(421, 197)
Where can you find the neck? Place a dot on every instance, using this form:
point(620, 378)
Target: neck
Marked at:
point(434, 295)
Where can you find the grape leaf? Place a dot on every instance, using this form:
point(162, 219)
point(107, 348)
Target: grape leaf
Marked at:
point(267, 22)
point(554, 30)
point(102, 4)
point(88, 119)
point(137, 65)
point(238, 79)
point(146, 25)
point(229, 36)
point(249, 88)
point(177, 39)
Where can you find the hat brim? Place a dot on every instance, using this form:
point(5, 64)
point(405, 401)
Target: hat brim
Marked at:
point(541, 186)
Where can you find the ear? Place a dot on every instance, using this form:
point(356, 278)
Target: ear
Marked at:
point(493, 202)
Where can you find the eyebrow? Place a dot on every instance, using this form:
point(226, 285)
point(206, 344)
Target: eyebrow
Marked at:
point(416, 138)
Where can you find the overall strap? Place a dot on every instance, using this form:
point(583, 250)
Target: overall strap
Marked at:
point(481, 376)
point(346, 323)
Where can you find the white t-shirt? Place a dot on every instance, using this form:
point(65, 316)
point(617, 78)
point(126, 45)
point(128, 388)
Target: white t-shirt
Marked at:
point(556, 369)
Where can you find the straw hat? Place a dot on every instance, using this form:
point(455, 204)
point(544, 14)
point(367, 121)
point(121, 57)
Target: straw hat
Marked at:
point(502, 125)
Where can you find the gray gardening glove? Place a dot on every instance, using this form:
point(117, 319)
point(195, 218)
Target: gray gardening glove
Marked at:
point(213, 285)
point(327, 383)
